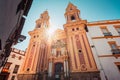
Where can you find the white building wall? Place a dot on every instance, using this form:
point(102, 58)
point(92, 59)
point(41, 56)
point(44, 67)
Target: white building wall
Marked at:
point(110, 69)
point(15, 61)
point(106, 65)
point(102, 47)
point(112, 30)
point(95, 31)
point(95, 54)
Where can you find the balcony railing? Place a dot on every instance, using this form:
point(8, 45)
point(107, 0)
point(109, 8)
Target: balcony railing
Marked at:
point(119, 32)
point(107, 34)
point(5, 70)
point(115, 51)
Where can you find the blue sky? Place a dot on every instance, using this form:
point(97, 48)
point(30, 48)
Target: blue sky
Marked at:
point(91, 10)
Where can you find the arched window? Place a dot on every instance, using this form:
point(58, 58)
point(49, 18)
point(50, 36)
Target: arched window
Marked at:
point(13, 56)
point(38, 25)
point(73, 18)
point(19, 57)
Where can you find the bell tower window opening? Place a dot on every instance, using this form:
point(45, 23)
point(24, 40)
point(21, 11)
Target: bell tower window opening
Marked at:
point(70, 8)
point(73, 18)
point(39, 25)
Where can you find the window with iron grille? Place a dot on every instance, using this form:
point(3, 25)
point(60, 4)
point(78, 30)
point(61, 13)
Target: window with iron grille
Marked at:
point(6, 67)
point(105, 31)
point(114, 47)
point(16, 69)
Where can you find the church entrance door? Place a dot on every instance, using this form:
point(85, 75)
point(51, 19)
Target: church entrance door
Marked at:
point(58, 71)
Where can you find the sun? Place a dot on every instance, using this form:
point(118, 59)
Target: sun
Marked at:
point(51, 31)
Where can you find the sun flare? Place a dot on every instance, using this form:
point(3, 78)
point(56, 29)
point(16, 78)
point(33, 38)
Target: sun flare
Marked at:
point(51, 31)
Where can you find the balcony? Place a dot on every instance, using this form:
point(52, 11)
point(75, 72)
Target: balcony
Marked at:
point(107, 34)
point(119, 32)
point(5, 70)
point(115, 51)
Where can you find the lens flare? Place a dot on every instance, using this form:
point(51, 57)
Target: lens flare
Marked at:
point(50, 31)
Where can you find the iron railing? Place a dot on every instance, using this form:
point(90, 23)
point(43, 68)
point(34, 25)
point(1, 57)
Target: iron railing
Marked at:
point(115, 51)
point(107, 34)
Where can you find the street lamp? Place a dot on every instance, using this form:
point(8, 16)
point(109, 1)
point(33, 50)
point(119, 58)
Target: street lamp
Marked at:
point(21, 38)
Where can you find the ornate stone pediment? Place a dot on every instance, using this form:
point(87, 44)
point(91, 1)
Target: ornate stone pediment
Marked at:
point(59, 44)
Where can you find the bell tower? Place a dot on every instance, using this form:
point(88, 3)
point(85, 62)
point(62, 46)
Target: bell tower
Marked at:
point(36, 58)
point(43, 22)
point(81, 60)
point(72, 13)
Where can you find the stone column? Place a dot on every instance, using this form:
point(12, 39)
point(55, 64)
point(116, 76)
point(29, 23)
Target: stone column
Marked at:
point(50, 69)
point(65, 68)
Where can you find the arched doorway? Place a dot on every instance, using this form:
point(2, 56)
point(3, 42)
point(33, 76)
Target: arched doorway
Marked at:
point(58, 70)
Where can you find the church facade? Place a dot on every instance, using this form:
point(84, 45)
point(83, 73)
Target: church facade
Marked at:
point(82, 51)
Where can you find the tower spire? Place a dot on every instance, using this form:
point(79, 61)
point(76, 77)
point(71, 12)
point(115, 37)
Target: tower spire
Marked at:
point(43, 21)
